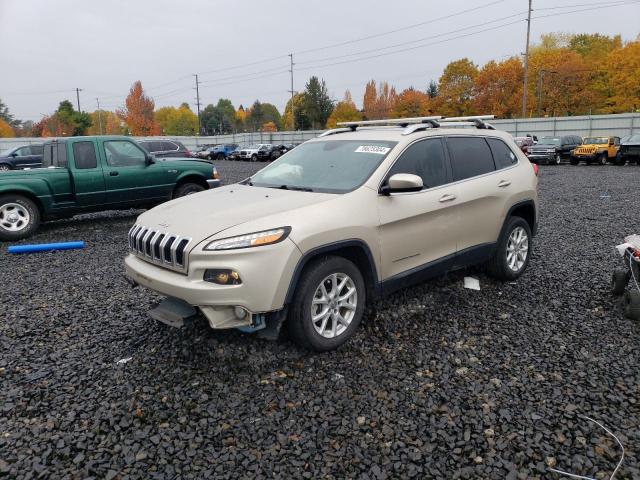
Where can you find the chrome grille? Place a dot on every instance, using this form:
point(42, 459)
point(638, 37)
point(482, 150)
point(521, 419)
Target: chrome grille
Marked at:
point(162, 248)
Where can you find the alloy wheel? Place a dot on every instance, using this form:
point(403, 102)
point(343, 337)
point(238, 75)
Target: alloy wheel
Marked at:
point(14, 217)
point(333, 306)
point(517, 249)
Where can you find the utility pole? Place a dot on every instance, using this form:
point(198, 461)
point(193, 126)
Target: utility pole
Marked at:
point(78, 90)
point(293, 113)
point(198, 103)
point(526, 65)
point(99, 115)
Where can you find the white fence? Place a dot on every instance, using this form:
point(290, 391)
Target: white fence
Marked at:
point(586, 125)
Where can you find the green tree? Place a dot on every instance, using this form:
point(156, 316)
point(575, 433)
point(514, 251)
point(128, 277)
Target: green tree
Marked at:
point(317, 103)
point(302, 122)
point(255, 116)
point(77, 122)
point(271, 114)
point(432, 89)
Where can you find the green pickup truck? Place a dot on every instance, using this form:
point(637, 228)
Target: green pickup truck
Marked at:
point(88, 174)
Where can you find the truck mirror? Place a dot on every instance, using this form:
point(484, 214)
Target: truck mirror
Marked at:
point(148, 159)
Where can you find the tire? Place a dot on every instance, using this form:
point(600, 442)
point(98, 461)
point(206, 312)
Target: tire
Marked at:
point(501, 265)
point(604, 159)
point(275, 155)
point(619, 281)
point(220, 156)
point(254, 158)
point(632, 305)
point(619, 161)
point(557, 159)
point(187, 189)
point(326, 333)
point(574, 161)
point(5, 167)
point(19, 217)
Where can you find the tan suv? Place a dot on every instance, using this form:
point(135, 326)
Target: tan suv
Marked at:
point(358, 212)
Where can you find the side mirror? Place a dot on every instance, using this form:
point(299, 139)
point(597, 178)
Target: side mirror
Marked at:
point(148, 159)
point(402, 182)
point(14, 155)
point(611, 141)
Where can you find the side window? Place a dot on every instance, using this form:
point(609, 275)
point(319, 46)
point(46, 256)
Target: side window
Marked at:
point(169, 146)
point(36, 149)
point(60, 160)
point(23, 152)
point(84, 154)
point(502, 154)
point(122, 153)
point(470, 157)
point(426, 159)
point(616, 140)
point(46, 156)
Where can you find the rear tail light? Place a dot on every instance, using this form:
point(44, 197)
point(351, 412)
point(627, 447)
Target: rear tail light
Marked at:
point(188, 153)
point(535, 168)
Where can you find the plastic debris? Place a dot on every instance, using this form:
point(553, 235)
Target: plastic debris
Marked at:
point(124, 360)
point(471, 283)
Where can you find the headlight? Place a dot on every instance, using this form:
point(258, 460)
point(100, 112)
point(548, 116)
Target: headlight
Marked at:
point(257, 239)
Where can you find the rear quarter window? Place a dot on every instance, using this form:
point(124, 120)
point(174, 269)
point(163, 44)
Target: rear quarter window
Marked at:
point(502, 154)
point(84, 155)
point(470, 157)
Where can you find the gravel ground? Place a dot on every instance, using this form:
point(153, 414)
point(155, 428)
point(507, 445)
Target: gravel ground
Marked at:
point(443, 383)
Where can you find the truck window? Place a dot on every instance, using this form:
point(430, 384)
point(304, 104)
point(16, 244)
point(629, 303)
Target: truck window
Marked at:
point(60, 160)
point(122, 153)
point(84, 155)
point(36, 149)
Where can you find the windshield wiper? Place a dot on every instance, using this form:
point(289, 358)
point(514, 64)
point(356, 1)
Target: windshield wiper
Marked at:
point(293, 187)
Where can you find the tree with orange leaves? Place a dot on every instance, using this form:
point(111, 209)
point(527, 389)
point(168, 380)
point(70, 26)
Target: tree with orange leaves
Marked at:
point(6, 130)
point(624, 75)
point(138, 112)
point(344, 111)
point(412, 103)
point(498, 88)
point(456, 88)
point(378, 102)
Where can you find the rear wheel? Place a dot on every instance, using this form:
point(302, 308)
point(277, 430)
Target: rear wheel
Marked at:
point(632, 305)
point(220, 156)
point(328, 304)
point(187, 189)
point(619, 160)
point(513, 251)
point(619, 281)
point(254, 158)
point(19, 217)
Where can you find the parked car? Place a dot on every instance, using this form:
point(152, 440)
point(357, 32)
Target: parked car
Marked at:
point(86, 174)
point(273, 153)
point(165, 148)
point(553, 150)
point(222, 151)
point(202, 151)
point(596, 149)
point(235, 155)
point(27, 156)
point(629, 150)
point(524, 143)
point(318, 233)
point(251, 152)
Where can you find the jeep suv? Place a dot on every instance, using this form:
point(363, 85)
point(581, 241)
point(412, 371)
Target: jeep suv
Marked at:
point(358, 212)
point(596, 149)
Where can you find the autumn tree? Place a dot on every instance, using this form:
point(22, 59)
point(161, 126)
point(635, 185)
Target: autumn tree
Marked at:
point(624, 71)
point(456, 88)
point(5, 129)
point(302, 121)
point(271, 115)
point(176, 121)
point(370, 101)
point(412, 103)
point(104, 122)
point(498, 88)
point(240, 117)
point(269, 127)
point(344, 111)
point(138, 112)
point(379, 101)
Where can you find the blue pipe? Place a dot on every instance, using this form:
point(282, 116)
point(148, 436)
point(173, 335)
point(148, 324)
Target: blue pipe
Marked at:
point(45, 247)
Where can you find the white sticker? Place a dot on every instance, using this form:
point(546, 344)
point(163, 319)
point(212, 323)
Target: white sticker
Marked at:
point(372, 149)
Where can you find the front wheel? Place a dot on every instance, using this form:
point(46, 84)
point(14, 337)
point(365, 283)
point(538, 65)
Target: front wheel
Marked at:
point(574, 161)
point(557, 159)
point(187, 189)
point(328, 304)
point(220, 156)
point(604, 158)
point(513, 251)
point(254, 158)
point(19, 217)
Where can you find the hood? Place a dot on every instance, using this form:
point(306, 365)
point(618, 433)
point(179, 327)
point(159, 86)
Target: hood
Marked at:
point(204, 214)
point(540, 146)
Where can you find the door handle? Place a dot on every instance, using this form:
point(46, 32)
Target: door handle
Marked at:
point(114, 174)
point(447, 197)
point(504, 183)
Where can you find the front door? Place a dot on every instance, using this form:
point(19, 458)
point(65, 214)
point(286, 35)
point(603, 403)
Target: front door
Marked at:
point(417, 229)
point(129, 179)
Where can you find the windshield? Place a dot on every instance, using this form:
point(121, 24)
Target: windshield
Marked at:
point(549, 141)
point(334, 166)
point(595, 140)
point(631, 139)
point(254, 147)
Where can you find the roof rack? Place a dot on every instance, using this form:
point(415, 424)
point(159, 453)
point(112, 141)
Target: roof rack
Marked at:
point(415, 124)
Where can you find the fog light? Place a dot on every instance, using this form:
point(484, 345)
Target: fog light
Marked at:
point(222, 276)
point(240, 312)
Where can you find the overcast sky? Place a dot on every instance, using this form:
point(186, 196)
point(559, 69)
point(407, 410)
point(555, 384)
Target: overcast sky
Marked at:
point(48, 48)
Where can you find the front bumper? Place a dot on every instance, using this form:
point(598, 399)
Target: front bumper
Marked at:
point(538, 157)
point(214, 182)
point(265, 273)
point(585, 157)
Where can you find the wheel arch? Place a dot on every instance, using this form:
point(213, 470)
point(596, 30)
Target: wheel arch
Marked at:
point(191, 178)
point(27, 194)
point(525, 210)
point(354, 250)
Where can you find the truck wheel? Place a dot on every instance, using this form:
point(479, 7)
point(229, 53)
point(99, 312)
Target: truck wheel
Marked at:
point(254, 158)
point(328, 304)
point(619, 281)
point(604, 158)
point(220, 156)
point(187, 189)
point(632, 305)
point(574, 161)
point(619, 160)
point(513, 251)
point(4, 167)
point(19, 217)
point(557, 159)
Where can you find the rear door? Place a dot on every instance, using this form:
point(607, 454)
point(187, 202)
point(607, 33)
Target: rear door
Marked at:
point(418, 228)
point(129, 179)
point(482, 192)
point(88, 178)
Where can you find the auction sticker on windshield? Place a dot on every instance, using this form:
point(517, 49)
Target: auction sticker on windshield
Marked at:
point(372, 149)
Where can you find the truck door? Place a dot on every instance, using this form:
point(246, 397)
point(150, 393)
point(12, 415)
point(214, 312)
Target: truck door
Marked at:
point(88, 180)
point(130, 179)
